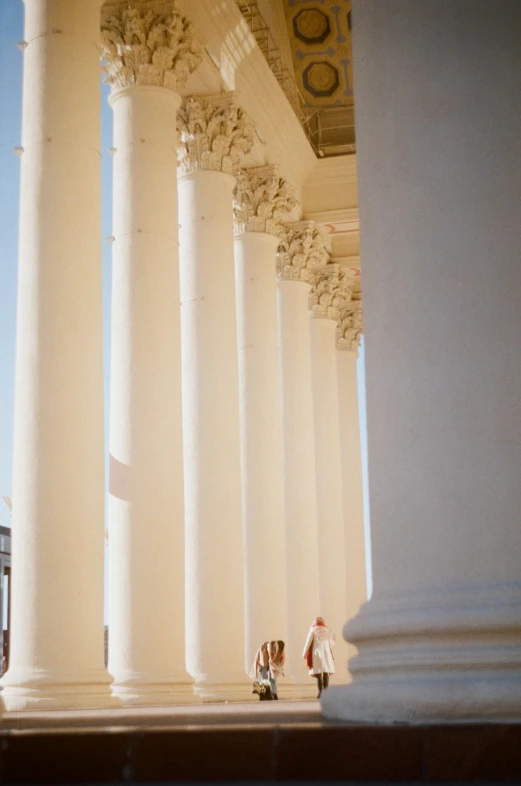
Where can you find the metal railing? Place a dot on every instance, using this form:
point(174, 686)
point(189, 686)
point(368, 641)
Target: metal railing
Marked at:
point(330, 130)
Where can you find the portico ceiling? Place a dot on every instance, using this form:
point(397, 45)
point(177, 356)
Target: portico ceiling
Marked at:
point(320, 37)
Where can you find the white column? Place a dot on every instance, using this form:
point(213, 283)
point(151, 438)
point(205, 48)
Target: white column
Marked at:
point(301, 249)
point(261, 200)
point(56, 657)
point(146, 516)
point(214, 537)
point(330, 289)
point(440, 638)
point(348, 336)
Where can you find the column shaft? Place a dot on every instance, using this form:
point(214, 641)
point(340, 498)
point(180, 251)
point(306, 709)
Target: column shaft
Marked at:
point(261, 441)
point(299, 473)
point(441, 636)
point(214, 538)
point(330, 502)
point(56, 654)
point(356, 579)
point(146, 516)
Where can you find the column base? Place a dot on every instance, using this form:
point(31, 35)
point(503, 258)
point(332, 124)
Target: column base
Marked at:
point(463, 698)
point(44, 690)
point(451, 656)
point(153, 695)
point(223, 691)
point(145, 689)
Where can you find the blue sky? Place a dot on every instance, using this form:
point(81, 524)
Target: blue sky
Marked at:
point(11, 27)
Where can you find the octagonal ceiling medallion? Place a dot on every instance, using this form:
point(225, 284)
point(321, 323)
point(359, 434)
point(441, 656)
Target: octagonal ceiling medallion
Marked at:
point(321, 79)
point(320, 37)
point(311, 26)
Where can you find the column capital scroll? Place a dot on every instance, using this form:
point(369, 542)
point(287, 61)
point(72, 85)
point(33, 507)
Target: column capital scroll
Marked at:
point(261, 200)
point(301, 251)
point(213, 134)
point(148, 42)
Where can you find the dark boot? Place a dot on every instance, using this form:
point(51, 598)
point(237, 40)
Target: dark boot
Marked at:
point(275, 697)
point(325, 681)
point(320, 684)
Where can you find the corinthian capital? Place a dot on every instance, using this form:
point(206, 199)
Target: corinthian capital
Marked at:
point(350, 327)
point(301, 251)
point(148, 42)
point(213, 133)
point(330, 293)
point(262, 200)
point(350, 324)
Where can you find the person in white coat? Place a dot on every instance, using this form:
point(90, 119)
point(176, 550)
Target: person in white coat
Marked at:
point(318, 653)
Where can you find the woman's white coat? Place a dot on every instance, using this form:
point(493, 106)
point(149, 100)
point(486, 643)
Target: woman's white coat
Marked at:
point(321, 639)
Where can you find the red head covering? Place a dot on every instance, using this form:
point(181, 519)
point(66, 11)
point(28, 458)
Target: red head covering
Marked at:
point(319, 622)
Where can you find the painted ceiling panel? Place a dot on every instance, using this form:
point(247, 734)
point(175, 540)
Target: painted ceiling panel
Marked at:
point(320, 36)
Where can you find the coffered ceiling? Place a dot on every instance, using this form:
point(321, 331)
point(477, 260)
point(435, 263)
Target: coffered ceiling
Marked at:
point(320, 38)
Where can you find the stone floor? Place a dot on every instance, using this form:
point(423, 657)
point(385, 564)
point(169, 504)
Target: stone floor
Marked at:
point(233, 714)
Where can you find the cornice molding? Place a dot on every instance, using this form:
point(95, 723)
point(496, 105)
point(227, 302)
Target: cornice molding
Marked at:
point(242, 66)
point(336, 169)
point(348, 217)
point(350, 261)
point(147, 42)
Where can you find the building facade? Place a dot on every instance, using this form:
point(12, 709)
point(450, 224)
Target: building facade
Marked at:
point(235, 511)
point(235, 290)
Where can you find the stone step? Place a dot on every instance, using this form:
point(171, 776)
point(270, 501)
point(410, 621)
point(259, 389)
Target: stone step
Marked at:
point(313, 751)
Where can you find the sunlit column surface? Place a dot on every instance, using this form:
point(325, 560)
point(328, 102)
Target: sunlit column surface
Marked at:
point(302, 249)
point(262, 199)
point(348, 337)
point(440, 638)
point(213, 133)
point(331, 288)
point(146, 516)
point(56, 647)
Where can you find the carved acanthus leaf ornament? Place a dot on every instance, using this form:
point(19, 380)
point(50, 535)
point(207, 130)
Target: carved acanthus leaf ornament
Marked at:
point(302, 250)
point(331, 292)
point(262, 200)
point(148, 43)
point(350, 324)
point(213, 134)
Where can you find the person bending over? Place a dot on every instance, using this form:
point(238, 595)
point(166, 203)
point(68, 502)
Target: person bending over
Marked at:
point(269, 664)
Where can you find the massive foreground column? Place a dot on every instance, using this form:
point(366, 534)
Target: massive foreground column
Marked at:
point(301, 250)
point(212, 135)
point(146, 516)
point(56, 657)
point(262, 199)
point(441, 636)
point(348, 338)
point(329, 292)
